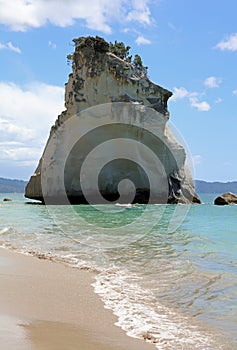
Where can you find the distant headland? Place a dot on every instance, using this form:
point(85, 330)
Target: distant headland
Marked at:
point(12, 185)
point(18, 186)
point(215, 187)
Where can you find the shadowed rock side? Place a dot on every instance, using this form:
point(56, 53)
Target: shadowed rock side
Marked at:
point(109, 98)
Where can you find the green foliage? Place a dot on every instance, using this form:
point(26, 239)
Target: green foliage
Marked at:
point(138, 65)
point(120, 50)
point(69, 58)
point(137, 61)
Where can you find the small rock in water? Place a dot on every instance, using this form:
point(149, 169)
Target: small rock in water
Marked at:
point(7, 200)
point(148, 336)
point(226, 199)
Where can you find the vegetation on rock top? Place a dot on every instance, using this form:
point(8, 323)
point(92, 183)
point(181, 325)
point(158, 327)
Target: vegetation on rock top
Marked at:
point(117, 48)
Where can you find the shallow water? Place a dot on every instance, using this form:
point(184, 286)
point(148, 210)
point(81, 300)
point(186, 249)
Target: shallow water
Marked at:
point(175, 286)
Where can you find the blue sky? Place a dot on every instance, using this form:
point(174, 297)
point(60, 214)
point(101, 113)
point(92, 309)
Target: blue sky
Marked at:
point(189, 46)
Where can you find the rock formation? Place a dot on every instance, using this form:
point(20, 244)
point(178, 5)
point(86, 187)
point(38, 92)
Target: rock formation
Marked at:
point(111, 107)
point(226, 199)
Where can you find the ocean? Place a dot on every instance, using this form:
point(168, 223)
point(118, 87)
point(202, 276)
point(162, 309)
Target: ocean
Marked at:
point(168, 272)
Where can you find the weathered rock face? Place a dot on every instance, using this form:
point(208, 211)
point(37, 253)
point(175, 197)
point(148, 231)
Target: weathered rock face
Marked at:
point(226, 199)
point(114, 128)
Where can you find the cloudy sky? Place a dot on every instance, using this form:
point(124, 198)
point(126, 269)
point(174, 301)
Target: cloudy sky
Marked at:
point(189, 46)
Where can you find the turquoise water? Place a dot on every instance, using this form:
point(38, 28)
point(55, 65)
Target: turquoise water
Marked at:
point(175, 286)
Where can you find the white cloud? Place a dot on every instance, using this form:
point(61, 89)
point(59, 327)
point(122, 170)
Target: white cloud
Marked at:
point(218, 100)
point(140, 12)
point(201, 106)
point(35, 105)
point(10, 46)
point(142, 41)
point(179, 93)
point(13, 48)
point(20, 15)
point(51, 44)
point(193, 97)
point(235, 92)
point(9, 129)
point(19, 154)
point(26, 115)
point(230, 43)
point(213, 82)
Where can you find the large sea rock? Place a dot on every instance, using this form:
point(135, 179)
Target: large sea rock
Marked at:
point(112, 143)
point(226, 199)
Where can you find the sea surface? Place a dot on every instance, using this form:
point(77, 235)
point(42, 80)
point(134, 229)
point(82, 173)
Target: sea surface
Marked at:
point(169, 273)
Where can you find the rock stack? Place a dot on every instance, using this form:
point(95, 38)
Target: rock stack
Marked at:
point(109, 99)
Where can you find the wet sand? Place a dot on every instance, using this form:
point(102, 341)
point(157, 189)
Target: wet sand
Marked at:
point(48, 306)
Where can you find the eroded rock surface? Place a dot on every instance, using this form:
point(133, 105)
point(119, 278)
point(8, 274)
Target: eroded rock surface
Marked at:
point(110, 98)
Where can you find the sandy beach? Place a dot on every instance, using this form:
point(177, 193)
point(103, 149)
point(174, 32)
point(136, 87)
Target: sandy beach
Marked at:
point(48, 306)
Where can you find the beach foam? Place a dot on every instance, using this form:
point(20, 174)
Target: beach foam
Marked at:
point(141, 316)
